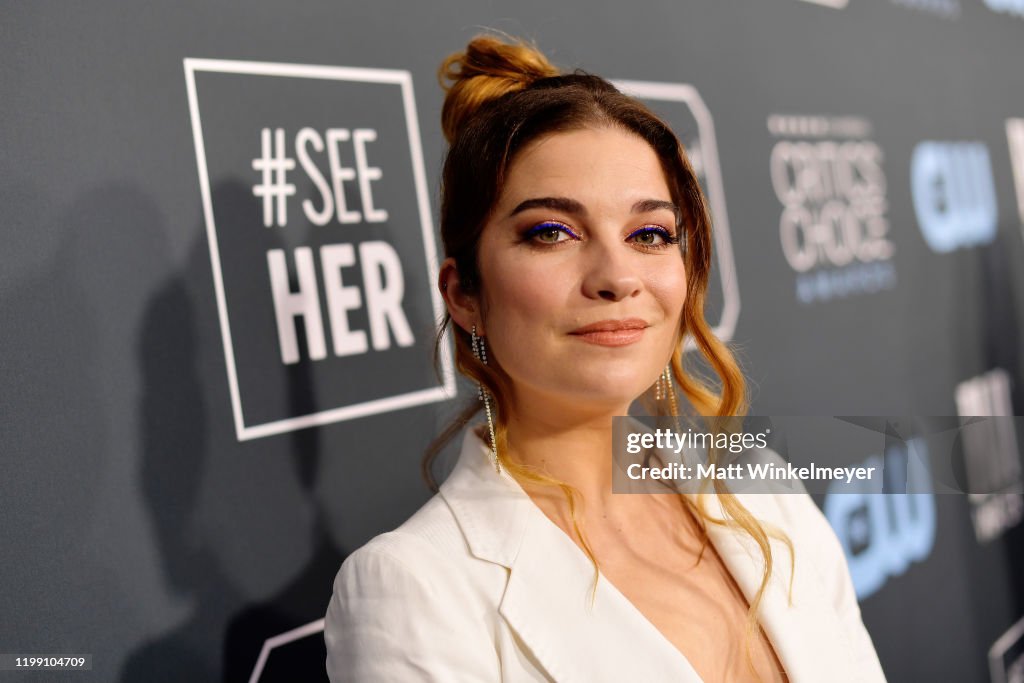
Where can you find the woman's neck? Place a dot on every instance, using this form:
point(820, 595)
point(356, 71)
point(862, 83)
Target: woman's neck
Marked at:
point(567, 443)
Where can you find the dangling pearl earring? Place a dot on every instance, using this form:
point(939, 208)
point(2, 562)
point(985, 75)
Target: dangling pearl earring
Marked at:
point(480, 352)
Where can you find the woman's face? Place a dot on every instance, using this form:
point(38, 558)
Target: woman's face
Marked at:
point(583, 281)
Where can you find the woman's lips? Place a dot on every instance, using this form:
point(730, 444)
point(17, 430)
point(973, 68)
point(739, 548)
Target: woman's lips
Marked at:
point(612, 332)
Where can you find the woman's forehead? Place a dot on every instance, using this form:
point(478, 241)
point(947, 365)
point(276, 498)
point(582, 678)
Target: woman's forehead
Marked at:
point(589, 165)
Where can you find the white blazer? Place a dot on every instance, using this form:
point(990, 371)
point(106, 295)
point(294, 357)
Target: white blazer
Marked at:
point(479, 585)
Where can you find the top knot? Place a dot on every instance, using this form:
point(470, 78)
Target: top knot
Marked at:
point(486, 70)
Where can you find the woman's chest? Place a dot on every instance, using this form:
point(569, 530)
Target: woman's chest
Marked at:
point(697, 607)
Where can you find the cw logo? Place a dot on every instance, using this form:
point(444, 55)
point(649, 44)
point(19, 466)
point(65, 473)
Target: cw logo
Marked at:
point(954, 194)
point(1008, 6)
point(883, 533)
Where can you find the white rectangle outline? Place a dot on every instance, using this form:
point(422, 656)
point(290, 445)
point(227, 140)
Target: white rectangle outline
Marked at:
point(834, 4)
point(998, 650)
point(342, 73)
point(277, 641)
point(688, 95)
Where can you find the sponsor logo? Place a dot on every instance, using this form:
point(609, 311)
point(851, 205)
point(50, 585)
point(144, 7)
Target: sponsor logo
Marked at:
point(836, 4)
point(682, 107)
point(883, 533)
point(1006, 6)
point(991, 455)
point(954, 194)
point(1015, 136)
point(321, 242)
point(834, 232)
point(1006, 656)
point(948, 9)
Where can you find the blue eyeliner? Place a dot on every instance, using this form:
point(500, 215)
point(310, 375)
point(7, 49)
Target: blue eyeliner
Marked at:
point(665, 234)
point(548, 225)
point(667, 237)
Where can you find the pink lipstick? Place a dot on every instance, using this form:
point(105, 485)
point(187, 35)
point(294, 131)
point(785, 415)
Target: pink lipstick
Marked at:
point(612, 332)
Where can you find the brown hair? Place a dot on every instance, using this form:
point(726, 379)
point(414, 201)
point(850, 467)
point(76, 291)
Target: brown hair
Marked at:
point(500, 97)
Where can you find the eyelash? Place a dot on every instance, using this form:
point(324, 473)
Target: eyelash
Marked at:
point(668, 239)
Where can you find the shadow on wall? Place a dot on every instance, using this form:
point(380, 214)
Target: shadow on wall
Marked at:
point(55, 441)
point(175, 437)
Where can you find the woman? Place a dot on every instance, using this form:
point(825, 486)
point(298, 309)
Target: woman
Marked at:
point(578, 249)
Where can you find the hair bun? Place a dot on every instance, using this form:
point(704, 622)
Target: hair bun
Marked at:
point(487, 69)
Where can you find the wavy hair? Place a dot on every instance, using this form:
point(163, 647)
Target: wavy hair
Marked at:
point(500, 96)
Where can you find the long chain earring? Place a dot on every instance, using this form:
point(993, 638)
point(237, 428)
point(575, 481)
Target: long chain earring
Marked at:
point(665, 389)
point(668, 390)
point(480, 352)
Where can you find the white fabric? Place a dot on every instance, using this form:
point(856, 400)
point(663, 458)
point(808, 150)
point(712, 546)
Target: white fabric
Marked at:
point(479, 585)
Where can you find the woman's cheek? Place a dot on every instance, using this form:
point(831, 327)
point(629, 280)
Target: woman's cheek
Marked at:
point(534, 290)
point(669, 288)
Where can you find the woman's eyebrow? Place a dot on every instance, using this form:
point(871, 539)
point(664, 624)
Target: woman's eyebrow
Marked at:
point(645, 205)
point(558, 203)
point(572, 206)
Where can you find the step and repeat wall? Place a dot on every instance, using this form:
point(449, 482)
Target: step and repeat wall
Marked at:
point(217, 301)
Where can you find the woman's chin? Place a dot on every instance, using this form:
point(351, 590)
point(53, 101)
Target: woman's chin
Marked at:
point(584, 394)
point(600, 399)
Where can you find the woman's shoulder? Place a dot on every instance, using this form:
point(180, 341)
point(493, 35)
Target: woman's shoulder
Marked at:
point(429, 548)
point(409, 601)
point(430, 537)
point(443, 539)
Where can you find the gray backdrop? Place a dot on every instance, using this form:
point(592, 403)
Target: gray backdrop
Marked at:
point(176, 498)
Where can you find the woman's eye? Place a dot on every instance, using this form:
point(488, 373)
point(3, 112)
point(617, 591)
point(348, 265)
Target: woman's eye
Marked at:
point(549, 233)
point(653, 236)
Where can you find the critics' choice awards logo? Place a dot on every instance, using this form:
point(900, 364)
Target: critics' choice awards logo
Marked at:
point(995, 482)
point(682, 107)
point(1015, 136)
point(321, 242)
point(954, 194)
point(834, 231)
point(883, 533)
point(1015, 7)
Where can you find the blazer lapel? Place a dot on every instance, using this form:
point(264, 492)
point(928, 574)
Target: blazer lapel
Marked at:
point(547, 601)
point(547, 598)
point(807, 634)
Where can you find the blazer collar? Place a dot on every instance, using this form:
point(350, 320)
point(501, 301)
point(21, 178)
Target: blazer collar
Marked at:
point(547, 599)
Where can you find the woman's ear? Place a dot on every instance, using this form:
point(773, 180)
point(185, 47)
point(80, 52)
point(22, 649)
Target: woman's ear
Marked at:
point(462, 307)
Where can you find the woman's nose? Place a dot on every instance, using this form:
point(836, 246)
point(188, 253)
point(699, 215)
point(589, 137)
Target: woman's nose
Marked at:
point(610, 271)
